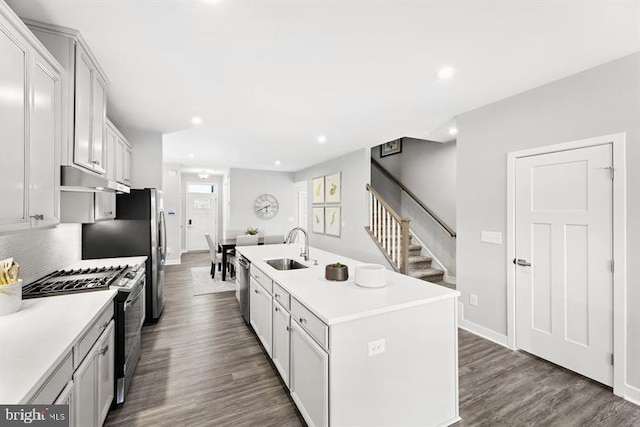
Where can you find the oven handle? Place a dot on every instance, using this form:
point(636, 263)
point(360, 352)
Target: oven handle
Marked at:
point(133, 298)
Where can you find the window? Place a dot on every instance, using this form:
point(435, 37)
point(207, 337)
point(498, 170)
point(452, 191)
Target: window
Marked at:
point(202, 188)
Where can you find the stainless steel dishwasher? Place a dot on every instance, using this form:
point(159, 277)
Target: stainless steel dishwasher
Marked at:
point(242, 278)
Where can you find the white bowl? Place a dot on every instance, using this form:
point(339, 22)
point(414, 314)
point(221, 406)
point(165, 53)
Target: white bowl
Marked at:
point(10, 298)
point(371, 275)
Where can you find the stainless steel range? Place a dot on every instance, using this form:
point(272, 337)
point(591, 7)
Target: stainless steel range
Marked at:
point(64, 282)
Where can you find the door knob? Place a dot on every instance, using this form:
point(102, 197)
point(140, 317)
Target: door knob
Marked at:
point(521, 262)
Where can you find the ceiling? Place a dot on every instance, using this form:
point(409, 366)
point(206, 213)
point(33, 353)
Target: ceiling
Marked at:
point(268, 77)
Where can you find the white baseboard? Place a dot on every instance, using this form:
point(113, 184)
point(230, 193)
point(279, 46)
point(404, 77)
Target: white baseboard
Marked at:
point(632, 394)
point(172, 262)
point(183, 251)
point(481, 331)
point(450, 279)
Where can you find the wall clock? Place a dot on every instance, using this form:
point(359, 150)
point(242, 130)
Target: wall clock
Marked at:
point(266, 206)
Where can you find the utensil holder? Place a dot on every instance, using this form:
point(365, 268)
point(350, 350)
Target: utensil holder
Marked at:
point(10, 298)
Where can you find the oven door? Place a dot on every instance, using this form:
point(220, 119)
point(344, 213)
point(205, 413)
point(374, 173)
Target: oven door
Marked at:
point(133, 319)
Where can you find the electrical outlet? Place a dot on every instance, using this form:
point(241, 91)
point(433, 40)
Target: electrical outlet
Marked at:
point(473, 300)
point(377, 347)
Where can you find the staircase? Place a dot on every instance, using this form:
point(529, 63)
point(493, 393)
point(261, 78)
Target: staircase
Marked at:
point(392, 235)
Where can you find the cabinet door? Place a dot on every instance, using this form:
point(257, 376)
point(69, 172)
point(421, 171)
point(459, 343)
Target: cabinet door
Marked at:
point(265, 335)
point(126, 165)
point(44, 174)
point(309, 377)
point(105, 366)
point(85, 392)
point(98, 116)
point(13, 142)
point(66, 398)
point(119, 161)
point(254, 307)
point(104, 206)
point(110, 154)
point(83, 109)
point(280, 350)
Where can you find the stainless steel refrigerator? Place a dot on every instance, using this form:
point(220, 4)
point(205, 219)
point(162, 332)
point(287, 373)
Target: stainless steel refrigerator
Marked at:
point(138, 230)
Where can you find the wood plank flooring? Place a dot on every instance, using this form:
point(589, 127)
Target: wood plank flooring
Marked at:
point(202, 366)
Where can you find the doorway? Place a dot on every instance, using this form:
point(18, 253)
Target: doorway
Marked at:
point(566, 233)
point(202, 215)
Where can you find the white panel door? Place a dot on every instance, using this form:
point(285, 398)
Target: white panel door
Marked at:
point(202, 217)
point(564, 229)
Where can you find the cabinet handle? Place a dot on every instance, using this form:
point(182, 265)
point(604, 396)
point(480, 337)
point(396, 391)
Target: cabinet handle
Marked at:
point(276, 308)
point(110, 213)
point(105, 324)
point(37, 217)
point(104, 350)
point(289, 328)
point(303, 320)
point(256, 291)
point(277, 296)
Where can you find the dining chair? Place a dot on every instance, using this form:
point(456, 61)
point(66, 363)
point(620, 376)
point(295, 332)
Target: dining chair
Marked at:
point(274, 239)
point(216, 257)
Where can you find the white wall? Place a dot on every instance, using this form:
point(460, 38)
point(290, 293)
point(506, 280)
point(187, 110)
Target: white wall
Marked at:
point(146, 157)
point(247, 184)
point(600, 101)
point(171, 195)
point(188, 178)
point(428, 169)
point(354, 241)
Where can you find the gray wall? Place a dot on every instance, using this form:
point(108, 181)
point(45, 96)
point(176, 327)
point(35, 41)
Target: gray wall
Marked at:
point(171, 197)
point(40, 252)
point(600, 101)
point(428, 169)
point(247, 184)
point(354, 241)
point(146, 157)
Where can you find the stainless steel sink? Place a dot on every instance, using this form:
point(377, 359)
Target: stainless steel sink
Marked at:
point(284, 264)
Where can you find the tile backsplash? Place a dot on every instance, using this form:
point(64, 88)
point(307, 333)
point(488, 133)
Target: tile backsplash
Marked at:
point(40, 252)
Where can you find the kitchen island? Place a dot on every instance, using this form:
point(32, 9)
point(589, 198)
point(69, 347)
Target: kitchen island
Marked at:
point(352, 355)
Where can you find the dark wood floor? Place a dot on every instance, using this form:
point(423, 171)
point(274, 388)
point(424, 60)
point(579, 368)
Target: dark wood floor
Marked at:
point(201, 366)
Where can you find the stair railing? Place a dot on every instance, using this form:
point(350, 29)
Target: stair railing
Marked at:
point(389, 230)
point(420, 203)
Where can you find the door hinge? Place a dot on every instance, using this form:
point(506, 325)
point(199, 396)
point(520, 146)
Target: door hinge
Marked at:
point(613, 266)
point(612, 172)
point(611, 358)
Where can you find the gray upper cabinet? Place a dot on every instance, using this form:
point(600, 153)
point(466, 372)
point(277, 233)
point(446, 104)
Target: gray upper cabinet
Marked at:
point(84, 98)
point(30, 84)
point(118, 156)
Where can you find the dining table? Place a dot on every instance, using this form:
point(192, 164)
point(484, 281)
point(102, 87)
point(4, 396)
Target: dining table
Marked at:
point(227, 245)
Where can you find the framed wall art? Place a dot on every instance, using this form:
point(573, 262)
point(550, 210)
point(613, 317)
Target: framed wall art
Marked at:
point(332, 222)
point(391, 147)
point(317, 218)
point(317, 186)
point(333, 188)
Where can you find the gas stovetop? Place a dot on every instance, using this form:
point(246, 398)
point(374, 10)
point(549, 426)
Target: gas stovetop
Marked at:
point(70, 281)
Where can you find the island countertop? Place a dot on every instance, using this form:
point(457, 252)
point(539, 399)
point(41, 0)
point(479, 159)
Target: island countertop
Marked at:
point(337, 302)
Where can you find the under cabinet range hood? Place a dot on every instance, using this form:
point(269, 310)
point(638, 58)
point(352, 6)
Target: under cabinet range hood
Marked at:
point(76, 179)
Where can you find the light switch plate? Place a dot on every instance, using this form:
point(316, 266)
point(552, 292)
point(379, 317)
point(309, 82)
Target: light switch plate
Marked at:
point(494, 237)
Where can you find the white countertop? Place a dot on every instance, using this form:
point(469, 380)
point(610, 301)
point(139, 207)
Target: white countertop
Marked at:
point(336, 302)
point(35, 339)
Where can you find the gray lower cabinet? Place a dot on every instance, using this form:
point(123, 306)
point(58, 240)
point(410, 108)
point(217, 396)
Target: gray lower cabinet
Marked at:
point(309, 381)
point(93, 391)
point(260, 316)
point(281, 340)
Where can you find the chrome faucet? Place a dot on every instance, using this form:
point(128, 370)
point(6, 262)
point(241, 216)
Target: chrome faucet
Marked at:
point(292, 234)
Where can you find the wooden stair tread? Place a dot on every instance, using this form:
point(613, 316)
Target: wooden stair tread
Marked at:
point(415, 259)
point(425, 272)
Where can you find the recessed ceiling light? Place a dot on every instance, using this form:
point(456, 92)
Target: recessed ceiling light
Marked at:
point(453, 131)
point(277, 162)
point(322, 139)
point(196, 120)
point(192, 155)
point(445, 73)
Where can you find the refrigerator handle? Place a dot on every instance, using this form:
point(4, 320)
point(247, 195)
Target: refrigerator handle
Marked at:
point(163, 236)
